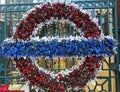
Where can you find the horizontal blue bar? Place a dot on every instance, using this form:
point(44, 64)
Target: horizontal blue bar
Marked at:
point(65, 48)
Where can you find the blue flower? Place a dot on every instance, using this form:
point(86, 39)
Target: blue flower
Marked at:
point(64, 48)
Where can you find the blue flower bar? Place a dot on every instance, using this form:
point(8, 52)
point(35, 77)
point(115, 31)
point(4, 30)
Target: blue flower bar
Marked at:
point(65, 48)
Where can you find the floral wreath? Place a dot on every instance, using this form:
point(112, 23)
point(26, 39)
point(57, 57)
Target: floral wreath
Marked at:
point(91, 44)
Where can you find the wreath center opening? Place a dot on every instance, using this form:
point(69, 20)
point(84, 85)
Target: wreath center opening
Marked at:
point(57, 29)
point(57, 64)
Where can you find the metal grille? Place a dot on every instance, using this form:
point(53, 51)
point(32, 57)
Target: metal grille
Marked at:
point(105, 11)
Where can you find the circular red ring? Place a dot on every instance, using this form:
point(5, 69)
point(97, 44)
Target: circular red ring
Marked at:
point(78, 77)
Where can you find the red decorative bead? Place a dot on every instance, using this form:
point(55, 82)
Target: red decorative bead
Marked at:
point(87, 35)
point(73, 73)
point(45, 6)
point(76, 20)
point(52, 88)
point(68, 13)
point(60, 5)
point(48, 12)
point(37, 8)
point(91, 31)
point(35, 83)
point(60, 77)
point(90, 58)
point(87, 63)
point(76, 13)
point(80, 70)
point(98, 65)
point(30, 15)
point(55, 10)
point(97, 34)
point(71, 7)
point(61, 12)
point(23, 31)
point(91, 68)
